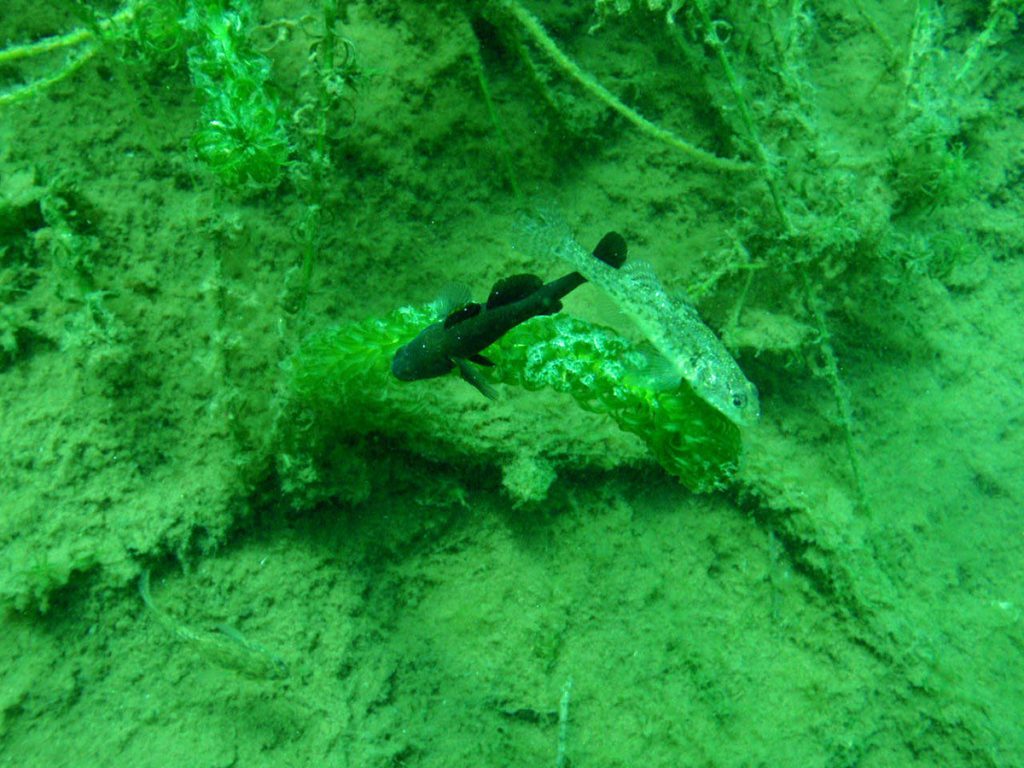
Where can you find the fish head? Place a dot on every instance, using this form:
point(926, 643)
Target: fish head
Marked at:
point(744, 403)
point(424, 357)
point(729, 392)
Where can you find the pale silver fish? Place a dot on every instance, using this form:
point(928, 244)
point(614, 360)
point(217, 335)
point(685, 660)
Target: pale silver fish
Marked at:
point(224, 645)
point(673, 327)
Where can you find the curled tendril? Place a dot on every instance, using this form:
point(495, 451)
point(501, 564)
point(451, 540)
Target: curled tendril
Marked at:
point(719, 33)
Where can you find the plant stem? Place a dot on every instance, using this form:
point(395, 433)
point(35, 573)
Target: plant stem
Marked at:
point(540, 36)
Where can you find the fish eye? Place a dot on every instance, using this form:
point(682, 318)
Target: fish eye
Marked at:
point(739, 401)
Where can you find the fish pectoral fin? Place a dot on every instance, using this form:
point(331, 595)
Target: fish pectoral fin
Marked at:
point(472, 376)
point(481, 360)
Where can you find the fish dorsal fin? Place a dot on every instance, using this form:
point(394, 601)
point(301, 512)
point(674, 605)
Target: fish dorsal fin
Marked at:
point(512, 289)
point(453, 296)
point(462, 314)
point(612, 250)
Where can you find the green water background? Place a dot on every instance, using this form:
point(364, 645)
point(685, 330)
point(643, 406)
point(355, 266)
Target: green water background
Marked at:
point(433, 602)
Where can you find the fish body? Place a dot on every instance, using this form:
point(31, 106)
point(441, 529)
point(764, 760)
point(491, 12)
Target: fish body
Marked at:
point(224, 645)
point(460, 338)
point(674, 328)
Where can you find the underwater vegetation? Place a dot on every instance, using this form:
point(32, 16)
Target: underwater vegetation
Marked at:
point(219, 221)
point(823, 232)
point(241, 134)
point(242, 137)
point(826, 216)
point(348, 370)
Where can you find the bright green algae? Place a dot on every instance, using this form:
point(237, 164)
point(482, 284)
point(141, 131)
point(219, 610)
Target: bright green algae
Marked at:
point(688, 437)
point(345, 372)
point(351, 363)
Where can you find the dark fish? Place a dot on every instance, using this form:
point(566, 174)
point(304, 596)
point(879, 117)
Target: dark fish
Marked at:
point(460, 339)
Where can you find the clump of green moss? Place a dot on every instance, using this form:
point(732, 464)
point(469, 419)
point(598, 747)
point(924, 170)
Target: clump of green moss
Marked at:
point(601, 371)
point(242, 137)
point(343, 375)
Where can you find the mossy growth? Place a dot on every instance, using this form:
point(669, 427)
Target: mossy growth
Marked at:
point(602, 372)
point(347, 368)
point(242, 135)
point(242, 138)
point(343, 376)
point(339, 387)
